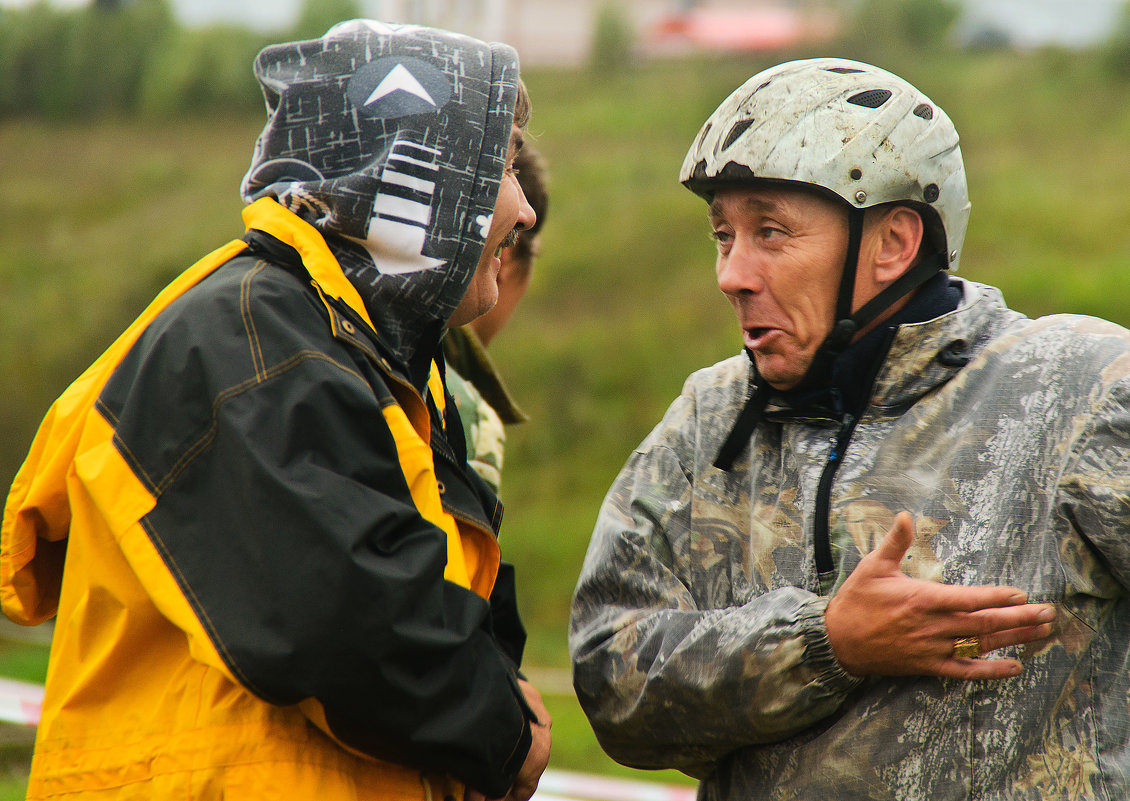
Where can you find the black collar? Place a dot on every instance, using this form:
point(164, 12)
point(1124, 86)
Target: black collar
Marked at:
point(854, 370)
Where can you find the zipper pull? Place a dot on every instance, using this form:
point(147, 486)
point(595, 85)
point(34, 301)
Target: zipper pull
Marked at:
point(842, 435)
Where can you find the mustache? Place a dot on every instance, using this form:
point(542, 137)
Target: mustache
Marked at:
point(511, 238)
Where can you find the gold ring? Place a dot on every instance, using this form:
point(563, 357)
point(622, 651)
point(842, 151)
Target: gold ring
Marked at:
point(966, 647)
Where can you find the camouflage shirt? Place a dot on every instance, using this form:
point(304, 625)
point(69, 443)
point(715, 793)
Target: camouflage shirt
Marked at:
point(698, 636)
point(483, 433)
point(485, 404)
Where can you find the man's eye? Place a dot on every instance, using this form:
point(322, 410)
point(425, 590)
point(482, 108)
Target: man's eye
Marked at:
point(721, 237)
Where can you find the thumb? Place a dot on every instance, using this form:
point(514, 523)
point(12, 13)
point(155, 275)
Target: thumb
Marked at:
point(895, 543)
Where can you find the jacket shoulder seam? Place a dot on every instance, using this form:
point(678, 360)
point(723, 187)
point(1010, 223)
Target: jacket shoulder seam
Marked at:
point(201, 443)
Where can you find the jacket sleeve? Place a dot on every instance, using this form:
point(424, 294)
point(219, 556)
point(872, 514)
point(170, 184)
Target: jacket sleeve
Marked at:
point(290, 528)
point(1094, 498)
point(666, 678)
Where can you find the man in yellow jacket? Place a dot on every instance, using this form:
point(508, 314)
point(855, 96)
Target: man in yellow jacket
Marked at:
point(272, 572)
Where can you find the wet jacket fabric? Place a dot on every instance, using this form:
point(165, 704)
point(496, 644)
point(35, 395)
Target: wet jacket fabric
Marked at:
point(272, 573)
point(277, 575)
point(697, 632)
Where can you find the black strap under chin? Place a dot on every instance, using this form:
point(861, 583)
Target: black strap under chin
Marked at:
point(843, 331)
point(845, 325)
point(906, 283)
point(743, 427)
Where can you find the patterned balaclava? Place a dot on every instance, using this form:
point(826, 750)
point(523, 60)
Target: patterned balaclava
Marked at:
point(391, 140)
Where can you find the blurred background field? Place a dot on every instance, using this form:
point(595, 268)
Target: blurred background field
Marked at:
point(110, 187)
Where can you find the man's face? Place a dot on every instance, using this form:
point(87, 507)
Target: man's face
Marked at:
point(511, 213)
point(513, 281)
point(780, 256)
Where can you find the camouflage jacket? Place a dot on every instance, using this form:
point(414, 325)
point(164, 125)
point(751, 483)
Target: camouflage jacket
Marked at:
point(698, 636)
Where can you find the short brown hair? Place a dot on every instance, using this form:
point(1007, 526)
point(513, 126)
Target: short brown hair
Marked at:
point(522, 109)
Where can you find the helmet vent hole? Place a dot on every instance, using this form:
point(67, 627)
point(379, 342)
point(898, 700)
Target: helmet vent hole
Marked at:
point(739, 128)
point(856, 174)
point(702, 136)
point(925, 111)
point(931, 193)
point(872, 98)
point(844, 70)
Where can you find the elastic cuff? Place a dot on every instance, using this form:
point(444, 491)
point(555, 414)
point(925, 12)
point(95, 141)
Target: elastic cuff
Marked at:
point(818, 649)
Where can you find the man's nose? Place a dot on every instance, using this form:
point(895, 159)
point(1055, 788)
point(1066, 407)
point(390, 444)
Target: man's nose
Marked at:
point(526, 214)
point(740, 271)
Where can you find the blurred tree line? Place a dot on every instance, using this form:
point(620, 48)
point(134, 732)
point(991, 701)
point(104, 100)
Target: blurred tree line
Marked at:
point(131, 57)
point(915, 26)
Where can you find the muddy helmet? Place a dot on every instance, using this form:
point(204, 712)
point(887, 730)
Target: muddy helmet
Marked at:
point(857, 131)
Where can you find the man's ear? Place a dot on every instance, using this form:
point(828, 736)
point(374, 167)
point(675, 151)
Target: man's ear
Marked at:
point(899, 234)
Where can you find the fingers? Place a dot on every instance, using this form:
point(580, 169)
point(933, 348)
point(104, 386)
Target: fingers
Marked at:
point(1017, 636)
point(991, 621)
point(979, 669)
point(982, 669)
point(538, 757)
point(1028, 630)
point(1003, 627)
point(536, 702)
point(881, 621)
point(963, 598)
point(896, 542)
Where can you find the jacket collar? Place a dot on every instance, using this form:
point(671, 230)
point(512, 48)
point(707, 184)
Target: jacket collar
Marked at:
point(925, 355)
point(267, 215)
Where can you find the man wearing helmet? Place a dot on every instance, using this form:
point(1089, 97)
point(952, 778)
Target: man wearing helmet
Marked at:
point(793, 580)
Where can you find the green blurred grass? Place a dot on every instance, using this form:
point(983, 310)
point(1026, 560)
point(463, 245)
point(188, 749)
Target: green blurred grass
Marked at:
point(95, 218)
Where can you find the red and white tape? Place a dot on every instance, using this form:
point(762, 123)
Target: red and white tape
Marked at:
point(20, 702)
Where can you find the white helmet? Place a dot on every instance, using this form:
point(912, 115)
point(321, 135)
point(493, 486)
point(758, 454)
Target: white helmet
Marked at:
point(860, 133)
point(850, 128)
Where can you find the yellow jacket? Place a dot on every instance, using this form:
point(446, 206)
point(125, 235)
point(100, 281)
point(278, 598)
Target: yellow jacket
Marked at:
point(269, 571)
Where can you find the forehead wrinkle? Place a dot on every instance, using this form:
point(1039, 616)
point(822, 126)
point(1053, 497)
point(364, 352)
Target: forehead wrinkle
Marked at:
point(750, 204)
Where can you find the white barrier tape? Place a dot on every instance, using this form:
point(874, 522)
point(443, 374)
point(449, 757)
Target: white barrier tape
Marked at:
point(575, 786)
point(20, 702)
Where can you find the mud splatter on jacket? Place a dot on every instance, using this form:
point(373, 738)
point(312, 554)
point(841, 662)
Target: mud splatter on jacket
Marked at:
point(697, 633)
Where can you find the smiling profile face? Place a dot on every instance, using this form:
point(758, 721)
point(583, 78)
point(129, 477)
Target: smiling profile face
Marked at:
point(780, 255)
point(512, 212)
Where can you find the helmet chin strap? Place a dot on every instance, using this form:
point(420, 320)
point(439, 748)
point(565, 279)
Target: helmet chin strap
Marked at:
point(844, 328)
point(846, 324)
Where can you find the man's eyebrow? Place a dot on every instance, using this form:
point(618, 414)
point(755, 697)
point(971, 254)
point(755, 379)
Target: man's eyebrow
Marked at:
point(753, 204)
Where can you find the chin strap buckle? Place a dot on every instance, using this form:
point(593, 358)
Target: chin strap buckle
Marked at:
point(841, 335)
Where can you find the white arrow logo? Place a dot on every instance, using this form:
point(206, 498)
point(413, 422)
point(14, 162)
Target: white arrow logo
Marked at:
point(399, 79)
point(380, 28)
